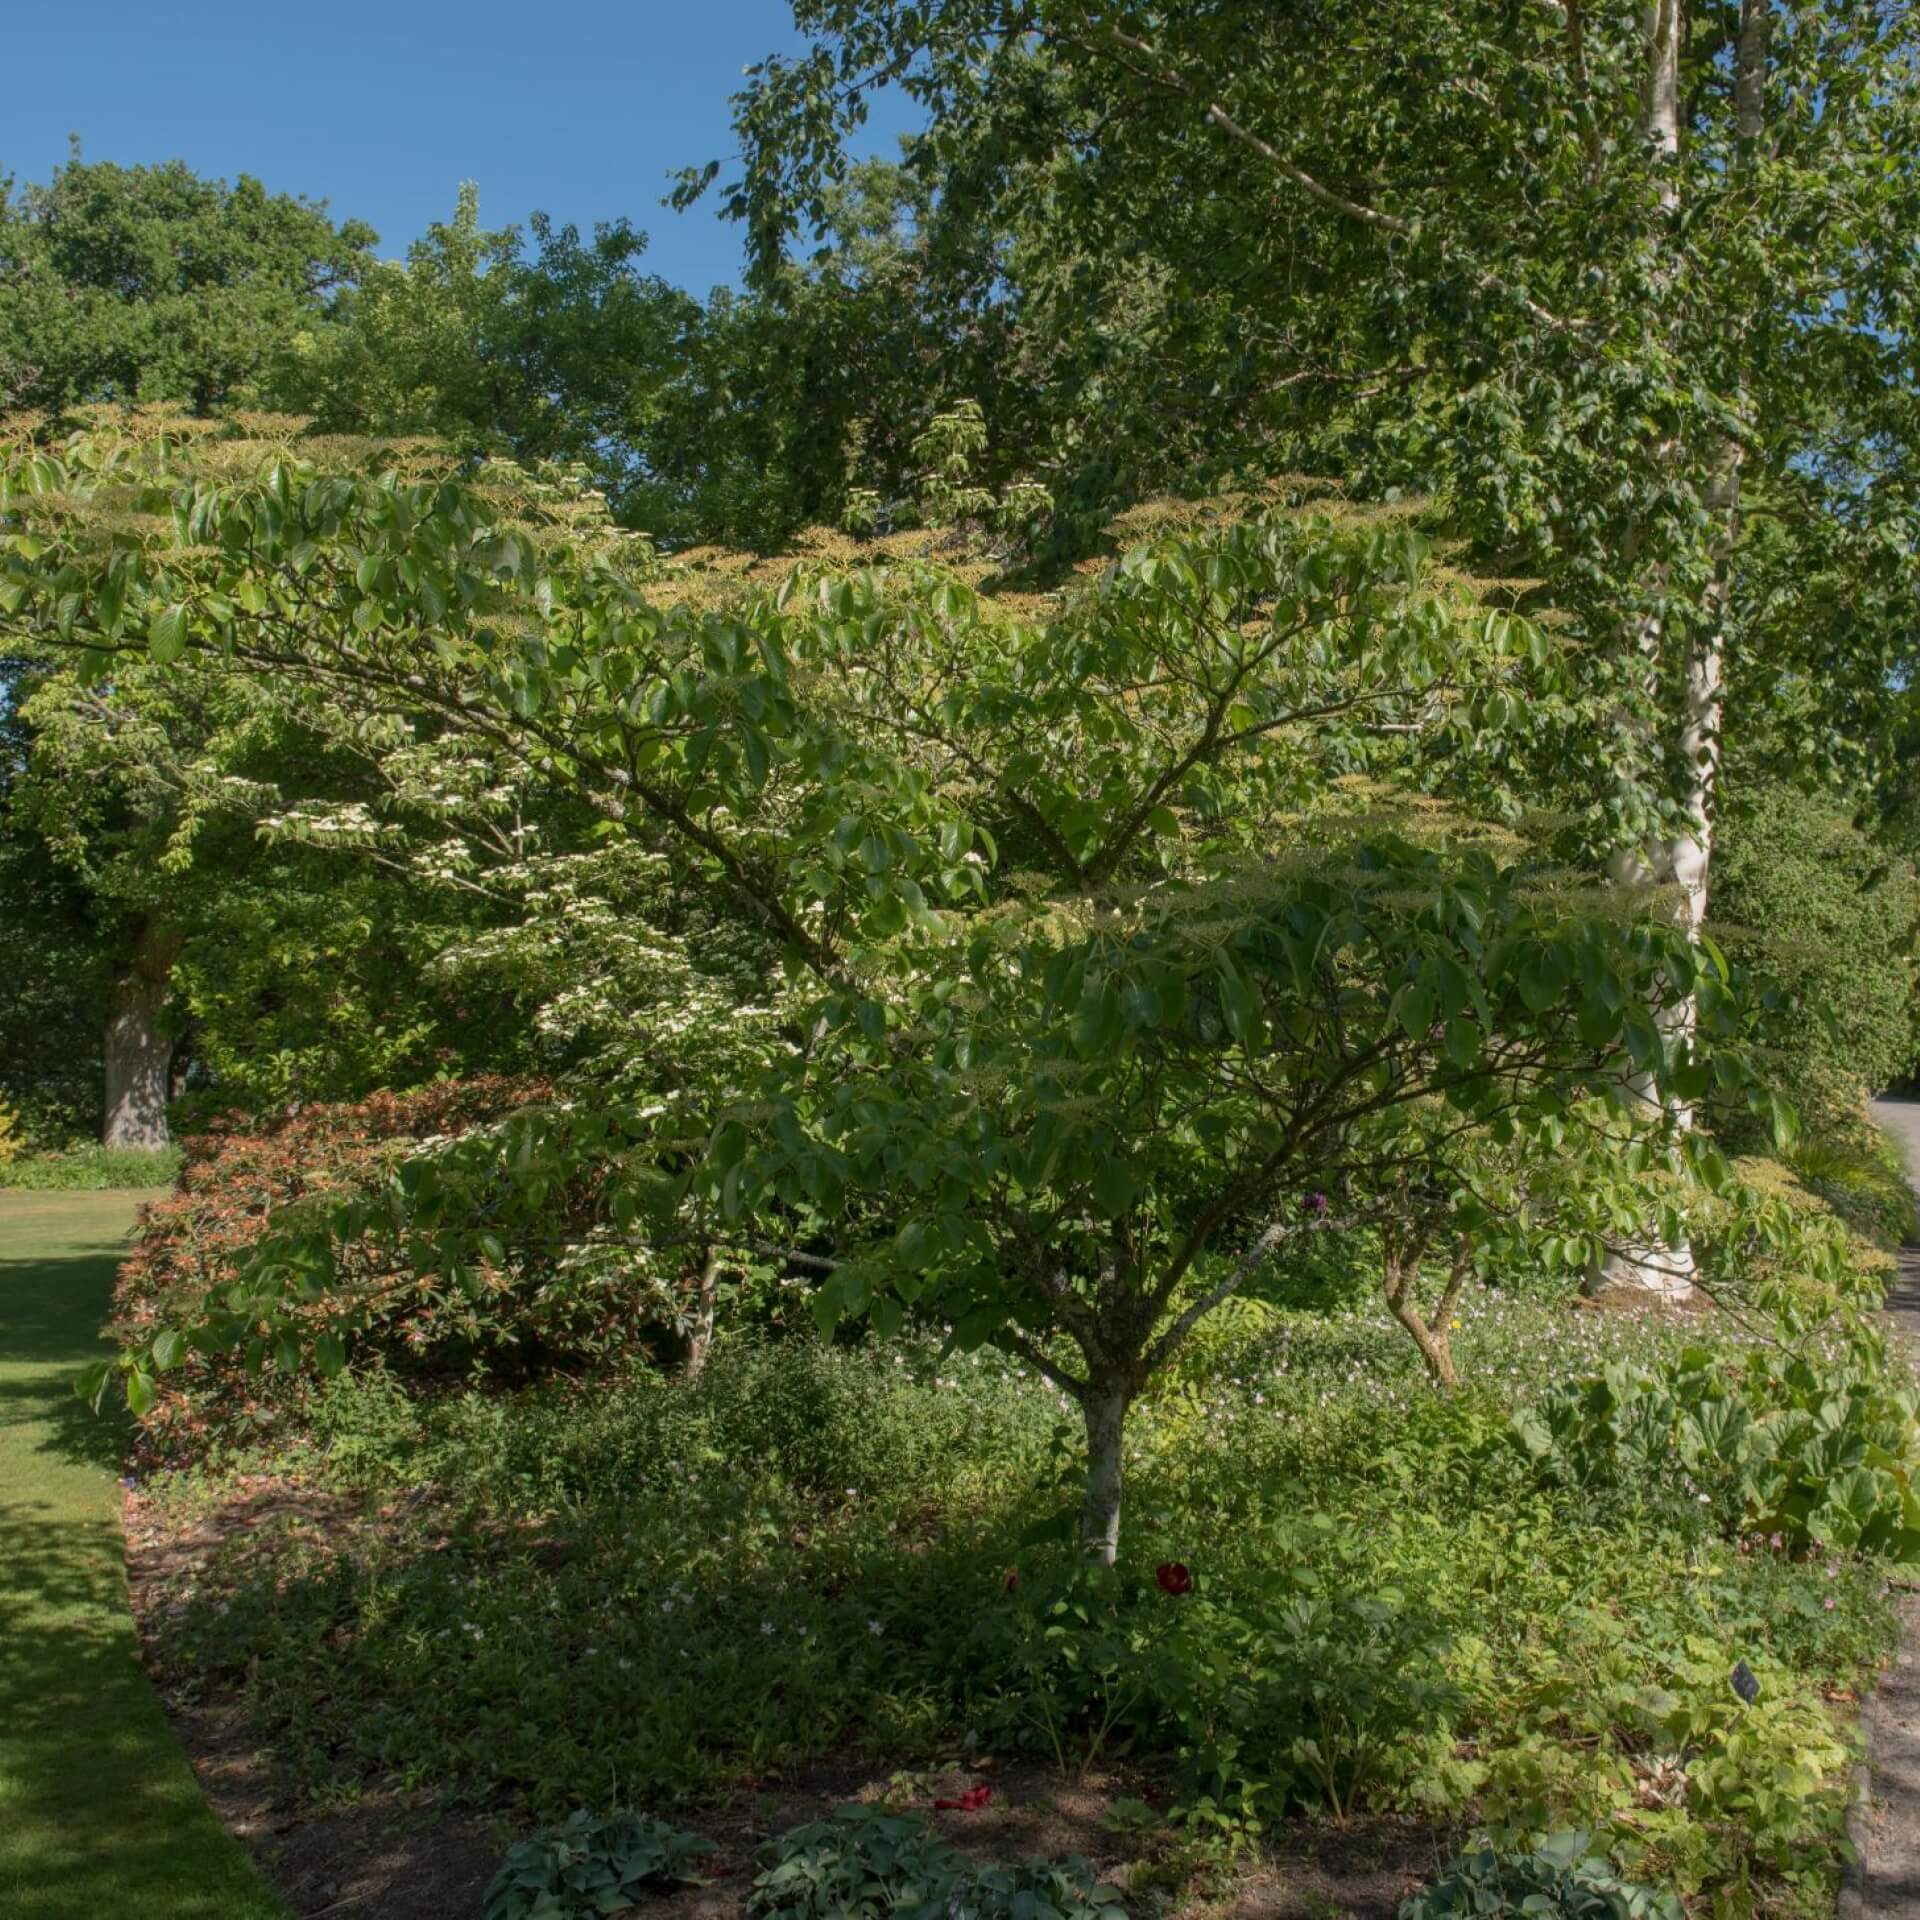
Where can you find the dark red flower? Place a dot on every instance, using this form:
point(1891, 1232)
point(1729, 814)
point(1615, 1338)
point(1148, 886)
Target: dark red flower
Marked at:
point(1013, 1579)
point(969, 1802)
point(1173, 1578)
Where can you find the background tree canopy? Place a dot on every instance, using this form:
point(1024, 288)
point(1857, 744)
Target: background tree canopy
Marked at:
point(150, 284)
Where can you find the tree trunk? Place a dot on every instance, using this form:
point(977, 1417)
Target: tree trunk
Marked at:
point(700, 1334)
point(138, 1047)
point(1687, 860)
point(1644, 1267)
point(1105, 1407)
point(1432, 1334)
point(1434, 1342)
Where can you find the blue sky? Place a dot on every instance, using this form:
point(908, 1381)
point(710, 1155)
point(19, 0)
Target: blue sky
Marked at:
point(577, 108)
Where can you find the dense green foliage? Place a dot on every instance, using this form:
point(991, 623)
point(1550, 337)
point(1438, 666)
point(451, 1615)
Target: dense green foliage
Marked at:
point(89, 1169)
point(1038, 990)
point(868, 1864)
point(810, 1546)
point(586, 1867)
point(559, 355)
point(1082, 1043)
point(142, 284)
point(53, 970)
point(1559, 1878)
point(1835, 915)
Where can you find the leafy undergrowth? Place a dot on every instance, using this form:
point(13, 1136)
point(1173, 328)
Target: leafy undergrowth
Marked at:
point(1343, 1599)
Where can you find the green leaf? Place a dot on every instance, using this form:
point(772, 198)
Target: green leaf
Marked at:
point(1415, 1005)
point(1544, 976)
point(167, 634)
point(1463, 1043)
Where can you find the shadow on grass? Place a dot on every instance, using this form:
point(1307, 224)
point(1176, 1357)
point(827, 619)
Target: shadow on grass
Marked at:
point(101, 1813)
point(58, 1257)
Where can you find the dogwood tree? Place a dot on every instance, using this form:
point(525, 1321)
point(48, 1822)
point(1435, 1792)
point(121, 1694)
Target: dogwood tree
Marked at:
point(1092, 978)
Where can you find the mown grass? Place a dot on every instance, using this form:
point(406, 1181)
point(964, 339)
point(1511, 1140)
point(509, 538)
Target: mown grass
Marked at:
point(99, 1811)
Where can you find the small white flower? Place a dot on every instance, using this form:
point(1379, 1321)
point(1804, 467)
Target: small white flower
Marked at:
point(875, 1628)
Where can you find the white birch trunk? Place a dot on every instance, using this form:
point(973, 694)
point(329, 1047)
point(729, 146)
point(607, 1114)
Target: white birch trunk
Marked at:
point(1686, 860)
point(1645, 1267)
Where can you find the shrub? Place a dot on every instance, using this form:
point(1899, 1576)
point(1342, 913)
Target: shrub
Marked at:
point(522, 1595)
point(1814, 1451)
point(593, 1866)
point(422, 1326)
point(1857, 1170)
point(1557, 1880)
point(10, 1140)
point(1835, 917)
point(1302, 1680)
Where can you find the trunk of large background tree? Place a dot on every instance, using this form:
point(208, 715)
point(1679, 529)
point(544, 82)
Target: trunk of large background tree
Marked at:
point(139, 1044)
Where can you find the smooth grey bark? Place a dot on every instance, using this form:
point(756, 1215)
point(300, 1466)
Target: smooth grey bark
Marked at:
point(1105, 1406)
point(138, 1049)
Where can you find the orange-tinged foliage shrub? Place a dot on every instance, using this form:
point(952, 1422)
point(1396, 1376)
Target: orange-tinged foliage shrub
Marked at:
point(241, 1170)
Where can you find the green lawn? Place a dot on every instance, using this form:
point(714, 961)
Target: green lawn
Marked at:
point(99, 1812)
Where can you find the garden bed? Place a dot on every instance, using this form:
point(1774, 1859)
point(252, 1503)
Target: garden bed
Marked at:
point(819, 1574)
point(407, 1857)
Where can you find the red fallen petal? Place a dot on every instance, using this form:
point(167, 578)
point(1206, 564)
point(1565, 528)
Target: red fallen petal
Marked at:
point(969, 1802)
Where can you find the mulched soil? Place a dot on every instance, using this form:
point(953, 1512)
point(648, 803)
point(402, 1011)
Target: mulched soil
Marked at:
point(400, 1857)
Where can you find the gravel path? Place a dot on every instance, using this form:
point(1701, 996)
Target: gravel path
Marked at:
point(1886, 1880)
